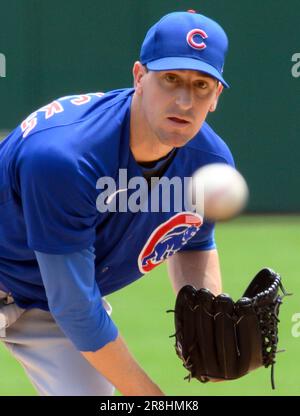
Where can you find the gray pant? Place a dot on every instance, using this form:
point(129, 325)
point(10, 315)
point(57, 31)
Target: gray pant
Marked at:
point(52, 363)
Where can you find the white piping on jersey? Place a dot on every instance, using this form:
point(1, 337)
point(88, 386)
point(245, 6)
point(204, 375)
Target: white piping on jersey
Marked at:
point(112, 196)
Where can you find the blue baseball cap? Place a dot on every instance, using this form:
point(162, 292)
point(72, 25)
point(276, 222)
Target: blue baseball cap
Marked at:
point(186, 40)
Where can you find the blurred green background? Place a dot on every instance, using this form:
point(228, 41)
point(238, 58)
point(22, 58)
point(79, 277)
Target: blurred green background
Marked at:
point(67, 47)
point(246, 245)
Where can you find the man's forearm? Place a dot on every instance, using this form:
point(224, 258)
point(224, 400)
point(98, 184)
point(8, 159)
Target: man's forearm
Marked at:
point(115, 362)
point(197, 268)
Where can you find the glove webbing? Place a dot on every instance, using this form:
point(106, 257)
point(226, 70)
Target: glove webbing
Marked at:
point(269, 314)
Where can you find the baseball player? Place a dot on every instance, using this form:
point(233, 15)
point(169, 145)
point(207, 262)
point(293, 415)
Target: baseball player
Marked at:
point(60, 254)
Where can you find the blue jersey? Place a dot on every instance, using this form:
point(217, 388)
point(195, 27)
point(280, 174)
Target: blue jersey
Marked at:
point(49, 170)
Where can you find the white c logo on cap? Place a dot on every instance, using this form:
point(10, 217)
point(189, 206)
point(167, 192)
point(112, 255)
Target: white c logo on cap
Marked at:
point(190, 38)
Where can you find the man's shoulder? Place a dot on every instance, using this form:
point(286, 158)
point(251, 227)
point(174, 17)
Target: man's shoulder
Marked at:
point(207, 141)
point(74, 112)
point(86, 136)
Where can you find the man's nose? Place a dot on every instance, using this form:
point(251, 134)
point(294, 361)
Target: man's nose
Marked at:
point(184, 98)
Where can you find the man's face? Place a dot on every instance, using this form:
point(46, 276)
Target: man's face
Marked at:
point(175, 103)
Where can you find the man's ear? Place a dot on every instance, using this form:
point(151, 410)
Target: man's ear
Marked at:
point(138, 72)
point(215, 103)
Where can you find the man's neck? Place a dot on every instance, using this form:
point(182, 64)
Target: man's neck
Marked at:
point(144, 144)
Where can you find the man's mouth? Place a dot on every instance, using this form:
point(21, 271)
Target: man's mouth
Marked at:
point(178, 120)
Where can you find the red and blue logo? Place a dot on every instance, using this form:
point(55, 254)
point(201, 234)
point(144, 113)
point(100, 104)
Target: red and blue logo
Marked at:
point(192, 37)
point(167, 239)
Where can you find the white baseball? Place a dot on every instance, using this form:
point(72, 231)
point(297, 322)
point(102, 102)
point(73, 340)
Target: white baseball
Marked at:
point(224, 191)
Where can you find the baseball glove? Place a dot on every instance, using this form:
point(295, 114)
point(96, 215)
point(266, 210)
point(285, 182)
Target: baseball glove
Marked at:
point(217, 338)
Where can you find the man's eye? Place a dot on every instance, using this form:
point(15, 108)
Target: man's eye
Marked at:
point(170, 78)
point(201, 85)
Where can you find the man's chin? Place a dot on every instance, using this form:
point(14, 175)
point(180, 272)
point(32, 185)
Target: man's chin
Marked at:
point(175, 140)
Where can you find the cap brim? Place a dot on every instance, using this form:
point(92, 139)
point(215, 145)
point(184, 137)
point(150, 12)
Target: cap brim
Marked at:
point(169, 63)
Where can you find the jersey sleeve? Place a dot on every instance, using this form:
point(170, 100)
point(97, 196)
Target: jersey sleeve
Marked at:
point(204, 238)
point(58, 201)
point(74, 298)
